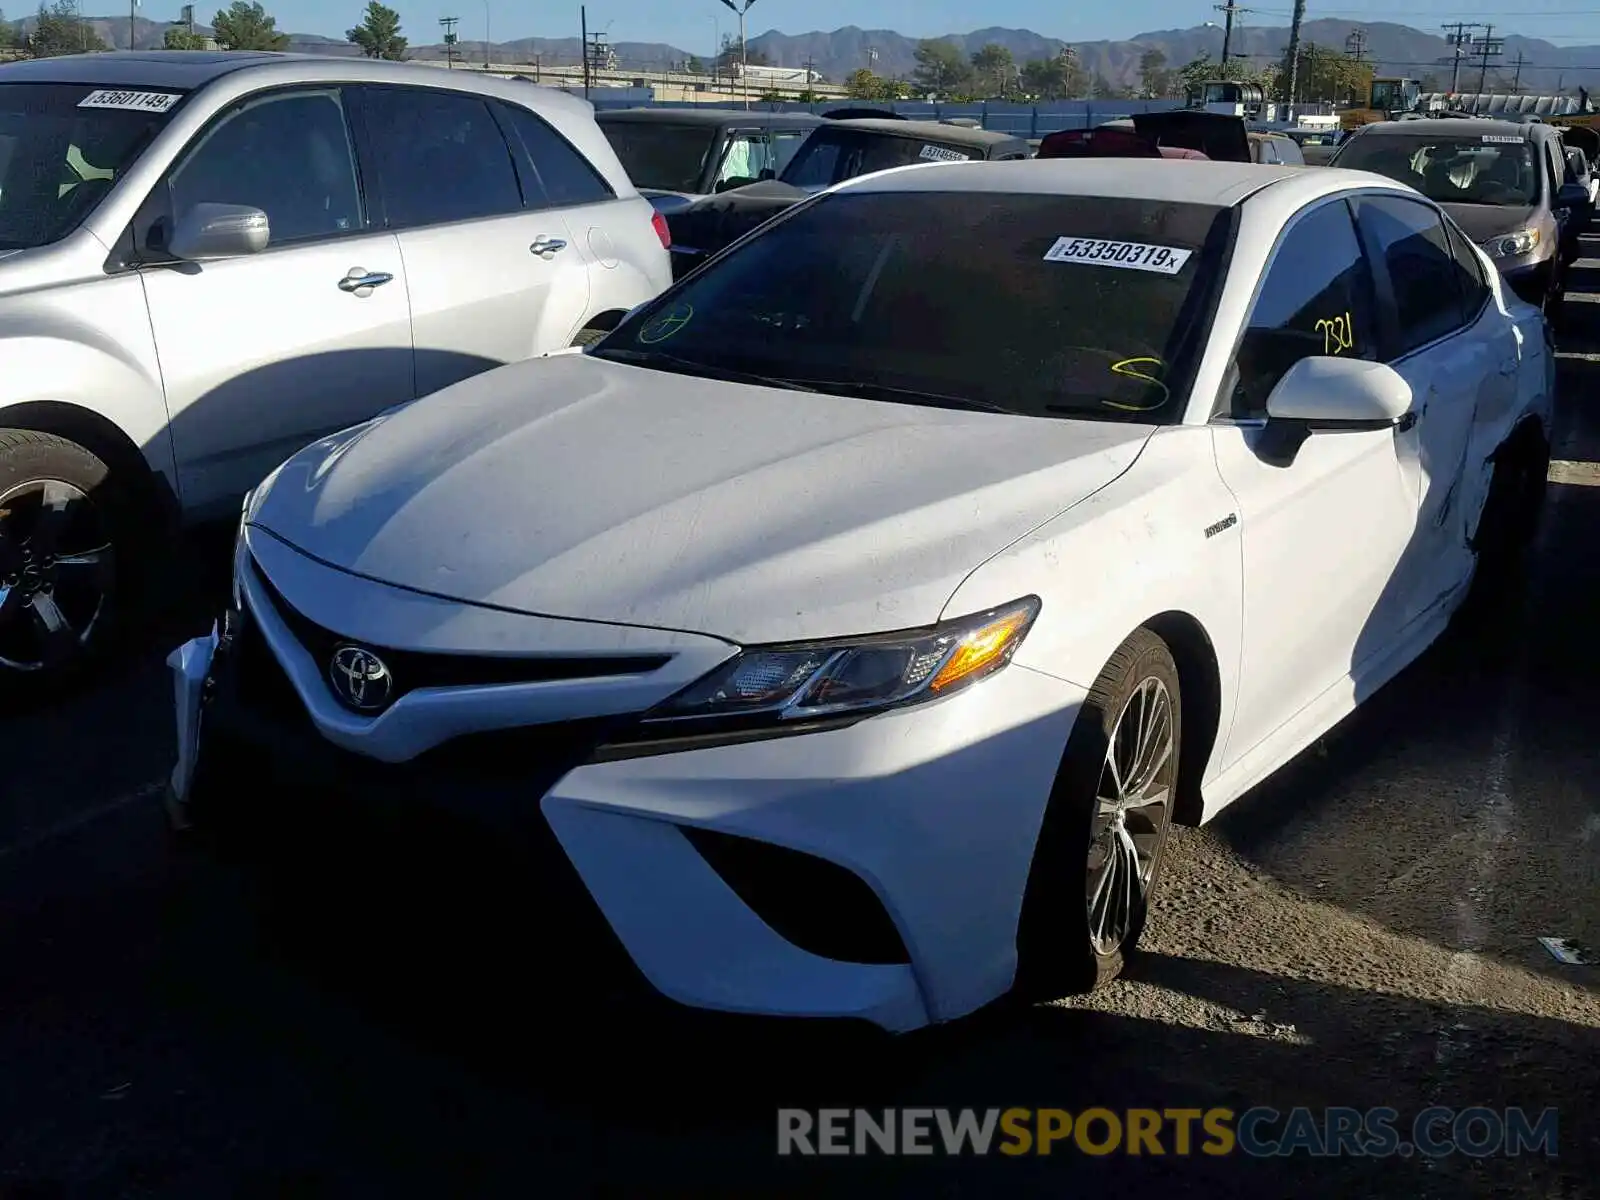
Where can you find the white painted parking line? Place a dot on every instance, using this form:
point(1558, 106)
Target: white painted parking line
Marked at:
point(72, 824)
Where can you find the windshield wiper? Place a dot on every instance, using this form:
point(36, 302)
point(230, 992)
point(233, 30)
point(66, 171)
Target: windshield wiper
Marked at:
point(879, 391)
point(690, 366)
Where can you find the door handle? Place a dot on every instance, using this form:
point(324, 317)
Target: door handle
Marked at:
point(362, 281)
point(544, 244)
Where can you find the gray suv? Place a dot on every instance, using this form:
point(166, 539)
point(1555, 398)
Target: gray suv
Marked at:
point(208, 261)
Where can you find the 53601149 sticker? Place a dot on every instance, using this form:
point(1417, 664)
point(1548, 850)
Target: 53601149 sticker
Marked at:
point(154, 102)
point(1128, 256)
point(941, 154)
point(1502, 139)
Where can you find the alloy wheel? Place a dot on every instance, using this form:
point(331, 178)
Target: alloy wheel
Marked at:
point(1133, 806)
point(56, 573)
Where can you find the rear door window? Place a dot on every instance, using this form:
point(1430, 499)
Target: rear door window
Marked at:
point(1410, 242)
point(441, 157)
point(565, 176)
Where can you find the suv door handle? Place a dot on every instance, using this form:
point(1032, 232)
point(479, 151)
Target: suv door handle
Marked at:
point(544, 244)
point(361, 281)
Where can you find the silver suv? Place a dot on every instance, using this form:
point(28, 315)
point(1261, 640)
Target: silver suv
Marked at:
point(208, 261)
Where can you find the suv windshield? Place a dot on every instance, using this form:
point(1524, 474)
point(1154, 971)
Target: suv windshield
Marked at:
point(1038, 305)
point(1487, 169)
point(62, 148)
point(667, 158)
point(833, 155)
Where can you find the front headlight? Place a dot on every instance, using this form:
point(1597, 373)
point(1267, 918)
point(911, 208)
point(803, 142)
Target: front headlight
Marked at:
point(850, 677)
point(1513, 245)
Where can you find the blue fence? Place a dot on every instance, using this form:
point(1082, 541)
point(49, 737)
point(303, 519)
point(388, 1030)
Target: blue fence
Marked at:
point(1023, 120)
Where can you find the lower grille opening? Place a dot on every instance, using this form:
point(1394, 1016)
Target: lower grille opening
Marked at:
point(819, 906)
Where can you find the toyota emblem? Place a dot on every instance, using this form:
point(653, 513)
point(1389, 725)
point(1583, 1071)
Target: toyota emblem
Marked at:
point(360, 679)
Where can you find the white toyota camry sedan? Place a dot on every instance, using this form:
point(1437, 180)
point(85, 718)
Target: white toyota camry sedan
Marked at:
point(857, 617)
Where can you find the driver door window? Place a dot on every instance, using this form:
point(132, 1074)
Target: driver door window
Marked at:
point(746, 157)
point(1317, 298)
point(288, 155)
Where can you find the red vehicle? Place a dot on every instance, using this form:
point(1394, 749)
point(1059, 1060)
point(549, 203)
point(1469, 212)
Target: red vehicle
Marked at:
point(1177, 133)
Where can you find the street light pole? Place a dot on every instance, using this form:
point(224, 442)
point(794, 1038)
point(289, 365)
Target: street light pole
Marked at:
point(744, 52)
point(487, 43)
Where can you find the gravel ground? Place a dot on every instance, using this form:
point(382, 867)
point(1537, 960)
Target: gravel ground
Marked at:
point(1359, 932)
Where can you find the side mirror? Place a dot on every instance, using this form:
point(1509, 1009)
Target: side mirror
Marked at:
point(215, 231)
point(1571, 195)
point(1325, 392)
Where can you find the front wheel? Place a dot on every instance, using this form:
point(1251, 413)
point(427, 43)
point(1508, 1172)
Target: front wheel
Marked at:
point(58, 562)
point(1099, 851)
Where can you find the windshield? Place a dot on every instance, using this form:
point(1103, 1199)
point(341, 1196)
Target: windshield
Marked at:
point(831, 156)
point(1031, 304)
point(667, 158)
point(1488, 169)
point(62, 148)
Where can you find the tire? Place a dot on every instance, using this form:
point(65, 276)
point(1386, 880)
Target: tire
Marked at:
point(1061, 950)
point(66, 535)
point(1510, 517)
point(588, 336)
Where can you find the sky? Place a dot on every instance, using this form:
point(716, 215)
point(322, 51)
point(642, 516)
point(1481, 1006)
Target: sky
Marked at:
point(691, 25)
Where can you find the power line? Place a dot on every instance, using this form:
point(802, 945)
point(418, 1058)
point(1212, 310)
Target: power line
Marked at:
point(1487, 47)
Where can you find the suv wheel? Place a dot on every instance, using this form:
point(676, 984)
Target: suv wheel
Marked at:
point(58, 555)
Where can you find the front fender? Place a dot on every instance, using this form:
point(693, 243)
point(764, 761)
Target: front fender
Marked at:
point(90, 347)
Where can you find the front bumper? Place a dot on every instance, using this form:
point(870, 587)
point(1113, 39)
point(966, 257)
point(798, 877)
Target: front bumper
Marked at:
point(1530, 281)
point(933, 812)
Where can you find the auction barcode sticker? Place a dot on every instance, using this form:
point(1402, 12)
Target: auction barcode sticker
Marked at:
point(1504, 139)
point(941, 154)
point(1129, 256)
point(156, 102)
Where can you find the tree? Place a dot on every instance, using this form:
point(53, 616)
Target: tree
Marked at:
point(246, 26)
point(181, 39)
point(730, 57)
point(378, 35)
point(1058, 78)
point(7, 34)
point(60, 29)
point(1326, 74)
point(940, 67)
point(864, 85)
point(694, 66)
point(995, 68)
point(1155, 77)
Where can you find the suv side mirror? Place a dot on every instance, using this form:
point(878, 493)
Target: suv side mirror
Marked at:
point(1571, 195)
point(215, 231)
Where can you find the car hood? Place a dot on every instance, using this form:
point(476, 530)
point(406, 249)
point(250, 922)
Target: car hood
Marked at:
point(716, 221)
point(576, 487)
point(1480, 222)
point(665, 202)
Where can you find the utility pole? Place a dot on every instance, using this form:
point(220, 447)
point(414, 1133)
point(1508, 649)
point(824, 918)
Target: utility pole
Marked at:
point(1456, 38)
point(487, 43)
point(1355, 46)
point(744, 52)
point(1294, 53)
point(1516, 78)
point(1487, 47)
point(583, 23)
point(448, 24)
point(133, 24)
point(1228, 10)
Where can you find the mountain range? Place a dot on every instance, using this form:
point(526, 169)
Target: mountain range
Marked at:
point(1392, 48)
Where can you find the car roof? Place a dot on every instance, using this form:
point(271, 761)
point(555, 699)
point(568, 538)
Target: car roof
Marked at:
point(190, 70)
point(1201, 181)
point(187, 69)
point(960, 135)
point(1455, 127)
point(703, 116)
